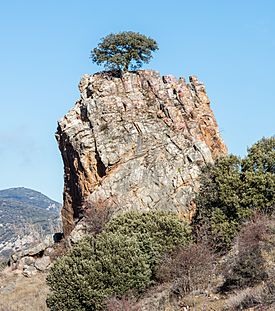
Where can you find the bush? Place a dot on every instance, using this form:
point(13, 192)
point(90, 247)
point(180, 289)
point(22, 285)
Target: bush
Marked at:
point(248, 270)
point(234, 189)
point(188, 268)
point(218, 203)
point(268, 294)
point(122, 304)
point(248, 266)
point(156, 232)
point(96, 269)
point(97, 215)
point(119, 259)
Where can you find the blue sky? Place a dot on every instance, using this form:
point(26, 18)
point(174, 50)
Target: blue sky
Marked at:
point(45, 47)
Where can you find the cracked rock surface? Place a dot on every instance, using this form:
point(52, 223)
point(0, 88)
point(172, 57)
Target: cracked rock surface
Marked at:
point(138, 141)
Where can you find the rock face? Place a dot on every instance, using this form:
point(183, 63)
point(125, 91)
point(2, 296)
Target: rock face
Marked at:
point(137, 141)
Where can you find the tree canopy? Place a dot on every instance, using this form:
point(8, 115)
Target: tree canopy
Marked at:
point(233, 189)
point(123, 51)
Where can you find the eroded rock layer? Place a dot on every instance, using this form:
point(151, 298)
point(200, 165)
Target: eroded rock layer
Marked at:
point(138, 141)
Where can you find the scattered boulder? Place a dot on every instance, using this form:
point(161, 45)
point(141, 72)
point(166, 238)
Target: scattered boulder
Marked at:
point(78, 232)
point(42, 263)
point(34, 259)
point(29, 271)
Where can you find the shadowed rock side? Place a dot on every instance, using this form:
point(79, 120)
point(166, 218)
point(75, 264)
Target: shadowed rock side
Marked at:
point(138, 141)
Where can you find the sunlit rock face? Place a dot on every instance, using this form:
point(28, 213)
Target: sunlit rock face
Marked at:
point(138, 141)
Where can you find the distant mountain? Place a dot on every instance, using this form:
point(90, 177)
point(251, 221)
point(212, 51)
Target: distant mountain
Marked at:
point(25, 213)
point(27, 196)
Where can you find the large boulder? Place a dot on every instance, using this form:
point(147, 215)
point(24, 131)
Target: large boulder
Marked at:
point(136, 142)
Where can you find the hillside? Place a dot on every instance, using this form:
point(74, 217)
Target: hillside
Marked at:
point(21, 195)
point(171, 221)
point(26, 213)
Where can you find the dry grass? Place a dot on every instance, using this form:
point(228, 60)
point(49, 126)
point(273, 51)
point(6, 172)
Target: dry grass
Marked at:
point(244, 299)
point(260, 297)
point(19, 293)
point(203, 303)
point(122, 304)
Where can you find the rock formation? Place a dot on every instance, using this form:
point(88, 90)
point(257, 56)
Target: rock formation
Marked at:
point(137, 141)
point(30, 260)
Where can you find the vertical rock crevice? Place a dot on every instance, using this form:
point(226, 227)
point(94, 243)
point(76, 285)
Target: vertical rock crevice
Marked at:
point(101, 168)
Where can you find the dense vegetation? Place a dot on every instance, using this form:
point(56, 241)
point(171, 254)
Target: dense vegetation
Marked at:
point(233, 236)
point(119, 259)
point(232, 191)
point(124, 50)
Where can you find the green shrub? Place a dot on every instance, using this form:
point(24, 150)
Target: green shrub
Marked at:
point(223, 229)
point(96, 269)
point(156, 232)
point(119, 259)
point(218, 203)
point(234, 189)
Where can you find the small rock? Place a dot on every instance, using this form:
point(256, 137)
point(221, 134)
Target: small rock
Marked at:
point(7, 288)
point(29, 271)
point(42, 263)
point(29, 261)
point(25, 262)
point(78, 233)
point(48, 251)
point(213, 297)
point(39, 247)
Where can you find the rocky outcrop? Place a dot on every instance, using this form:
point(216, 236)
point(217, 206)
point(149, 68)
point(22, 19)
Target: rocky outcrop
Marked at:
point(137, 142)
point(30, 260)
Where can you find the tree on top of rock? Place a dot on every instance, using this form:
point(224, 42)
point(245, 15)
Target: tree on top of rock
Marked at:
point(124, 50)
